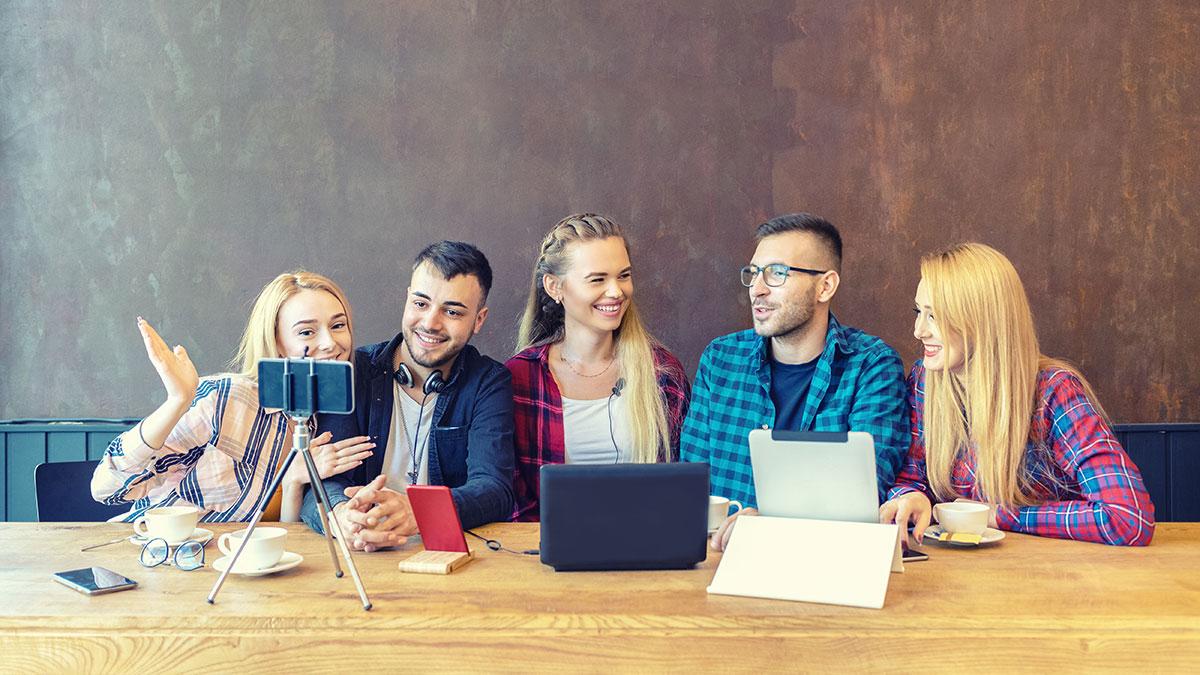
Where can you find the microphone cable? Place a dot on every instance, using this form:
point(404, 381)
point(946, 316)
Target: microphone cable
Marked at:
point(616, 391)
point(495, 545)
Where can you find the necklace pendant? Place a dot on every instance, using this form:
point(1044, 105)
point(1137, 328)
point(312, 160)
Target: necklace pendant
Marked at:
point(412, 477)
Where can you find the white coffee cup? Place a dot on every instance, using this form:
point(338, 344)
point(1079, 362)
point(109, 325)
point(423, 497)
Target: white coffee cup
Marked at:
point(173, 523)
point(718, 510)
point(964, 517)
point(265, 548)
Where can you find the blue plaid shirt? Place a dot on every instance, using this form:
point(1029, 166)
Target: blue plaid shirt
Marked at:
point(858, 386)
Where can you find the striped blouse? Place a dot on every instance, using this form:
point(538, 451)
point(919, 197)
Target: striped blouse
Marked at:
point(221, 457)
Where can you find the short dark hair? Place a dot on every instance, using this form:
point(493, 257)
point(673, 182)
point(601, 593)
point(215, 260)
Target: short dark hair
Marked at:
point(805, 222)
point(453, 258)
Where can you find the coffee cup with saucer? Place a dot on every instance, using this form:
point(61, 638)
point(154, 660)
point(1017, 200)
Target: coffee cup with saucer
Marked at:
point(263, 553)
point(962, 523)
point(173, 524)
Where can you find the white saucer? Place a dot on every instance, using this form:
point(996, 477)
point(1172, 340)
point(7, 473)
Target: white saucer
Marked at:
point(990, 536)
point(199, 534)
point(286, 562)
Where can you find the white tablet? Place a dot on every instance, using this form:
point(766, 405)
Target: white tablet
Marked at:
point(816, 475)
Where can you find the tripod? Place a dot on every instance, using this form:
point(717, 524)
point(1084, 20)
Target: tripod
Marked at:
point(300, 446)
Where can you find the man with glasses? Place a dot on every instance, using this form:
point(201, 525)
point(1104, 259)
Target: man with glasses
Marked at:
point(799, 369)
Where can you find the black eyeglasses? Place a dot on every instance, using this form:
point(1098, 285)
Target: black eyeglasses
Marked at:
point(187, 556)
point(774, 274)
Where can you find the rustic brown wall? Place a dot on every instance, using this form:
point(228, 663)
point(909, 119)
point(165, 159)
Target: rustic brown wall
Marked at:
point(1066, 134)
point(166, 159)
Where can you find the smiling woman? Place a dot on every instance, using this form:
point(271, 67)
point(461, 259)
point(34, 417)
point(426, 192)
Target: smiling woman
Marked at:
point(590, 384)
point(996, 421)
point(210, 445)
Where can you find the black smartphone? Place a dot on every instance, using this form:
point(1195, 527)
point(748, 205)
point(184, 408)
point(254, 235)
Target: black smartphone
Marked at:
point(314, 386)
point(913, 555)
point(95, 580)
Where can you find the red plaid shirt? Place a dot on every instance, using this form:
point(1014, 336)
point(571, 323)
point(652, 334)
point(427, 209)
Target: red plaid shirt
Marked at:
point(1088, 486)
point(538, 418)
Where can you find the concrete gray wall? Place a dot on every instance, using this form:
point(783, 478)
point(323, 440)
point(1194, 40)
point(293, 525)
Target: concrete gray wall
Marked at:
point(168, 158)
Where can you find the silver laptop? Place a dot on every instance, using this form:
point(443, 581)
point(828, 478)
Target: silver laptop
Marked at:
point(817, 475)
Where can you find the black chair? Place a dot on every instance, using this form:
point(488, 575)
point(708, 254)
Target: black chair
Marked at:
point(64, 494)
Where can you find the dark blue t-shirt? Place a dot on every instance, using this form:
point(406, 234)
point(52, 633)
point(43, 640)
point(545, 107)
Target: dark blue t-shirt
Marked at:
point(789, 388)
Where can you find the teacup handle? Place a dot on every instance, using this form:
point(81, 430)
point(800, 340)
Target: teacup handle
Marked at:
point(140, 527)
point(223, 543)
point(732, 502)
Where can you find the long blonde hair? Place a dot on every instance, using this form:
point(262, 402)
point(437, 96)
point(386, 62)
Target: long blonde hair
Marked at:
point(260, 341)
point(543, 323)
point(978, 298)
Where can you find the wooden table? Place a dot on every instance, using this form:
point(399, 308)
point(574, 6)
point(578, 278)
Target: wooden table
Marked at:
point(1025, 603)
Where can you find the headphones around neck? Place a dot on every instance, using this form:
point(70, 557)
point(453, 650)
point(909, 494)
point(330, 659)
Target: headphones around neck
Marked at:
point(434, 384)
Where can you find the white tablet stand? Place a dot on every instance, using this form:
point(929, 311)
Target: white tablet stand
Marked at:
point(824, 561)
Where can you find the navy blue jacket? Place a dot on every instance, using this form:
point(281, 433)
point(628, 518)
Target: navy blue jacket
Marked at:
point(470, 448)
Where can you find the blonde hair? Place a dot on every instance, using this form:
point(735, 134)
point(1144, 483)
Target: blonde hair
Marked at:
point(977, 297)
point(543, 323)
point(260, 339)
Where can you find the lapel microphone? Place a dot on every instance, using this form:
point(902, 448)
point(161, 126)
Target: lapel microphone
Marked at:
point(616, 390)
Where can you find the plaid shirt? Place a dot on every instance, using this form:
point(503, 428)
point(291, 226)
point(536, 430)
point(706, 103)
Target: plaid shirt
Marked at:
point(858, 386)
point(1088, 487)
point(221, 457)
point(538, 418)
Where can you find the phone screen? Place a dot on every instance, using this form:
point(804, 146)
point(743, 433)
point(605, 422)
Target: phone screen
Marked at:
point(95, 580)
point(913, 555)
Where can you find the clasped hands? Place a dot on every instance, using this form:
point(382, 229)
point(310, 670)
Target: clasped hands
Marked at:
point(375, 517)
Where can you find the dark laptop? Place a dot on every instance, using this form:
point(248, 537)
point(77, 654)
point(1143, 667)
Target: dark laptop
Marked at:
point(624, 516)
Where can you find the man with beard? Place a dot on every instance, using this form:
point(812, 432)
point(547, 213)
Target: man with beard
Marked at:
point(798, 370)
point(437, 411)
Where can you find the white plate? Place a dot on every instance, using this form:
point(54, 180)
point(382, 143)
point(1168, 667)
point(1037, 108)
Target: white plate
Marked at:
point(199, 534)
point(286, 562)
point(990, 536)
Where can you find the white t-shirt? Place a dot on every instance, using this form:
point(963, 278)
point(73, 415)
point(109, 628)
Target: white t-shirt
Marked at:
point(398, 458)
point(586, 431)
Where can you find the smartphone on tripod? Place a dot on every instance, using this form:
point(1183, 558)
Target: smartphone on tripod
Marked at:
point(302, 388)
point(306, 385)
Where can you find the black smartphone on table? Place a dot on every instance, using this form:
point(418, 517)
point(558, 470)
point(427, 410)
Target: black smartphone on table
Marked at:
point(95, 580)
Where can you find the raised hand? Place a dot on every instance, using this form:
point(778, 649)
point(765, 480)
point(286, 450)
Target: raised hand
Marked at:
point(331, 458)
point(174, 367)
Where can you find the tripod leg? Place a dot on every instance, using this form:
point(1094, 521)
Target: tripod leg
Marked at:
point(262, 508)
point(322, 497)
point(332, 528)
